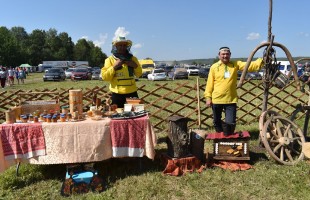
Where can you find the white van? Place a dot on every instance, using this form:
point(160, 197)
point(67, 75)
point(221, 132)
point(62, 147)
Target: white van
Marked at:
point(285, 67)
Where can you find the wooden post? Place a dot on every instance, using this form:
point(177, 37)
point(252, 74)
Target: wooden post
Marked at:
point(198, 103)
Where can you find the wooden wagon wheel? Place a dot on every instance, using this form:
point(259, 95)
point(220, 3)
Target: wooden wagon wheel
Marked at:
point(262, 120)
point(283, 140)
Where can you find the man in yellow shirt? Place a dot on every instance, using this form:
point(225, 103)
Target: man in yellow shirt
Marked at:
point(121, 69)
point(221, 89)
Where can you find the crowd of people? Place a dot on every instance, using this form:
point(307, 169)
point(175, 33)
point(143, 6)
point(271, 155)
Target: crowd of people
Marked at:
point(10, 76)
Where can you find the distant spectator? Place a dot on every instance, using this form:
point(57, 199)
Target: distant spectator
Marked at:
point(22, 75)
point(10, 76)
point(305, 77)
point(306, 73)
point(16, 72)
point(3, 75)
point(25, 72)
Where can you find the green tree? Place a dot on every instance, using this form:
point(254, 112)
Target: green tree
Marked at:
point(21, 36)
point(53, 46)
point(97, 57)
point(67, 46)
point(8, 48)
point(36, 47)
point(82, 50)
point(17, 47)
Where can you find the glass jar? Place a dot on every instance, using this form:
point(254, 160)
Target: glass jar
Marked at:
point(36, 119)
point(42, 117)
point(69, 116)
point(54, 118)
point(63, 117)
point(48, 118)
point(30, 117)
point(24, 118)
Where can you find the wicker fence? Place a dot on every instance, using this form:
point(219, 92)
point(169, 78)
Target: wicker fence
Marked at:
point(180, 98)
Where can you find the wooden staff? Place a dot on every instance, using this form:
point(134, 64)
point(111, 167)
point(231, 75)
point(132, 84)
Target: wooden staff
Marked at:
point(198, 103)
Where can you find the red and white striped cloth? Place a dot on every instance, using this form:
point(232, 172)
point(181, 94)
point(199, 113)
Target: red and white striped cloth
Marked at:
point(128, 136)
point(22, 141)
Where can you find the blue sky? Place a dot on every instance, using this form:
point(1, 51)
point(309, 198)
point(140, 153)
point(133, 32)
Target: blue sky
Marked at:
point(169, 29)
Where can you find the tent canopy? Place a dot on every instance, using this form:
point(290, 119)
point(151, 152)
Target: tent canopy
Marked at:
point(25, 65)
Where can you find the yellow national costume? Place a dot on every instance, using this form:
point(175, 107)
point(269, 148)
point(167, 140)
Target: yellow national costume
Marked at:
point(222, 88)
point(122, 81)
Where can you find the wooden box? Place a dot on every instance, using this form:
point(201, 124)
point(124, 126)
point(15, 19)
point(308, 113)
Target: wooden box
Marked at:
point(32, 104)
point(232, 147)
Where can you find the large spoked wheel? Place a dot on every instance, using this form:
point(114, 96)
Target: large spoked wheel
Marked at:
point(283, 139)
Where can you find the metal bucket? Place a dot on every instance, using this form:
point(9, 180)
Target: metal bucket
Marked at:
point(281, 80)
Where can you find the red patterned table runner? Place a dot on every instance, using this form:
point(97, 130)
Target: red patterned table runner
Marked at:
point(22, 140)
point(128, 136)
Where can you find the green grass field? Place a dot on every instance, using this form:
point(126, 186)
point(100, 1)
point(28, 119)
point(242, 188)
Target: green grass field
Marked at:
point(126, 179)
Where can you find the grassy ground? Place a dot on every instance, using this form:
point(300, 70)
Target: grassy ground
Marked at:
point(127, 179)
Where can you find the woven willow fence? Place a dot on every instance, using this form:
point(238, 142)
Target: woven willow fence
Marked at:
point(180, 98)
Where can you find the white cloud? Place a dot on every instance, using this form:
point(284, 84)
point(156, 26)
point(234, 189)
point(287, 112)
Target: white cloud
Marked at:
point(137, 46)
point(102, 40)
point(253, 36)
point(120, 31)
point(304, 34)
point(84, 37)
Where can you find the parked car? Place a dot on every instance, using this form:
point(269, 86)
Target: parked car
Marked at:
point(96, 75)
point(178, 73)
point(168, 69)
point(95, 69)
point(204, 72)
point(145, 74)
point(284, 67)
point(54, 74)
point(147, 66)
point(261, 72)
point(81, 74)
point(157, 75)
point(250, 75)
point(192, 70)
point(68, 72)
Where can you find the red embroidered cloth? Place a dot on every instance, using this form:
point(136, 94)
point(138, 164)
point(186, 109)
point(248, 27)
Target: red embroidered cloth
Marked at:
point(128, 136)
point(243, 134)
point(22, 140)
point(181, 166)
point(232, 165)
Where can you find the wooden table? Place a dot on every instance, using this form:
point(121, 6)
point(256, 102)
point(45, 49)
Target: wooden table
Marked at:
point(85, 141)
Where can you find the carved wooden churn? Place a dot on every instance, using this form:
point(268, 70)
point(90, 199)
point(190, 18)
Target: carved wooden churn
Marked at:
point(178, 140)
point(197, 143)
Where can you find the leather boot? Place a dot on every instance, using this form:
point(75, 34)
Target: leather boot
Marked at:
point(232, 128)
point(229, 129)
point(226, 129)
point(218, 129)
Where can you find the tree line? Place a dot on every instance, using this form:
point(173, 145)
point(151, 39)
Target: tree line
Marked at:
point(18, 47)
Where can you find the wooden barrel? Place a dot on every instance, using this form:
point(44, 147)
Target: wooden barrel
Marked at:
point(18, 111)
point(76, 101)
point(10, 116)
